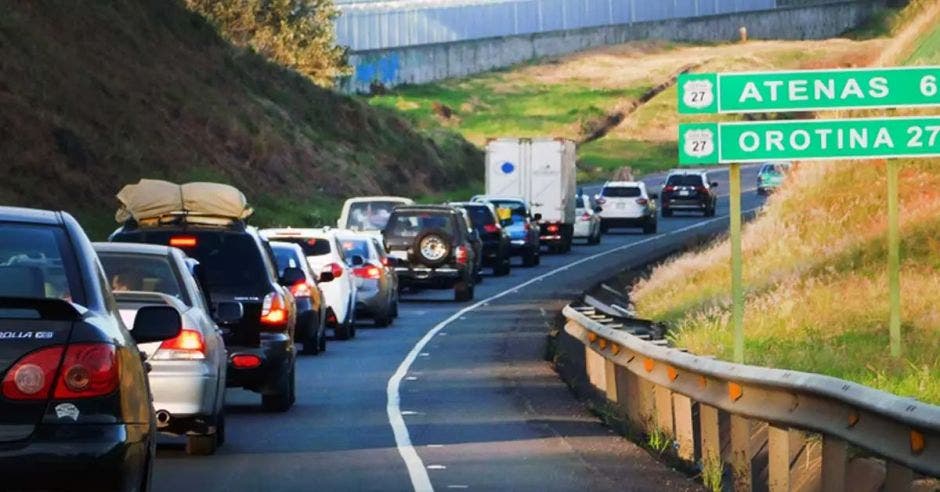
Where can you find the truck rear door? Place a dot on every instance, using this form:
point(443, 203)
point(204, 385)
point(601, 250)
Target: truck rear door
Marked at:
point(547, 197)
point(507, 167)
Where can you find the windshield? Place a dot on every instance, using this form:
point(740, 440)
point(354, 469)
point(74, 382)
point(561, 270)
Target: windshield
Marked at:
point(411, 224)
point(286, 257)
point(517, 212)
point(353, 247)
point(142, 273)
point(311, 246)
point(621, 192)
point(36, 262)
point(684, 180)
point(480, 215)
point(369, 216)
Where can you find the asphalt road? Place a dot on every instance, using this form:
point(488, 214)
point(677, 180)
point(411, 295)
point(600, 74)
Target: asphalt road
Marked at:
point(475, 405)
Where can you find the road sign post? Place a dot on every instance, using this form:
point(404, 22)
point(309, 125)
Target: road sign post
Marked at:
point(737, 264)
point(763, 141)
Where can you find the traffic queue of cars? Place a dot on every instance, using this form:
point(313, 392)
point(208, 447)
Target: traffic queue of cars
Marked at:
point(105, 345)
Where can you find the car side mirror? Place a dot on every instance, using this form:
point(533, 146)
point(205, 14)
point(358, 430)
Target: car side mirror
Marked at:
point(156, 324)
point(654, 196)
point(714, 184)
point(326, 277)
point(598, 209)
point(292, 276)
point(474, 235)
point(537, 217)
point(357, 261)
point(227, 313)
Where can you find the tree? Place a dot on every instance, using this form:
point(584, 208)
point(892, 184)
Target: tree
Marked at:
point(297, 34)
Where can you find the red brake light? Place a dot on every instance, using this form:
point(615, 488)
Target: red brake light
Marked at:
point(368, 272)
point(31, 378)
point(301, 289)
point(89, 369)
point(183, 241)
point(336, 269)
point(462, 255)
point(274, 311)
point(553, 228)
point(386, 261)
point(246, 361)
point(586, 216)
point(491, 228)
point(188, 345)
point(642, 201)
point(703, 190)
point(669, 188)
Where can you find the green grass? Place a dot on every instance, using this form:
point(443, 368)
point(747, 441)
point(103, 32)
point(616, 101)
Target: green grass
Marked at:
point(928, 52)
point(597, 160)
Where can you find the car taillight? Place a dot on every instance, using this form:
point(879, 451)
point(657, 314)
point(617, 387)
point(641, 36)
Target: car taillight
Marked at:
point(274, 311)
point(585, 216)
point(642, 201)
point(368, 272)
point(31, 378)
point(669, 188)
point(246, 361)
point(301, 289)
point(336, 269)
point(386, 261)
point(462, 255)
point(491, 228)
point(528, 227)
point(183, 241)
point(87, 370)
point(553, 228)
point(701, 189)
point(188, 345)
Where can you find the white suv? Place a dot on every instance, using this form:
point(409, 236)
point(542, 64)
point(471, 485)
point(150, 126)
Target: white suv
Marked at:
point(627, 204)
point(335, 279)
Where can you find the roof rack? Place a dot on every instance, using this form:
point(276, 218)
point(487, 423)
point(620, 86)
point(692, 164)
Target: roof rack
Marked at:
point(153, 203)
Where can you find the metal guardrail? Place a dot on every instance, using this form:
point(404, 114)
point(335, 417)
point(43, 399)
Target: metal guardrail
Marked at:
point(663, 388)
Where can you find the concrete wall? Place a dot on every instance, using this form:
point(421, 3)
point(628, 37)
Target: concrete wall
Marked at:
point(427, 63)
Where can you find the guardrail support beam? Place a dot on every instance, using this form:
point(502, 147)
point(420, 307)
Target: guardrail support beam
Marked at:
point(664, 420)
point(710, 433)
point(899, 478)
point(610, 380)
point(685, 434)
point(741, 454)
point(834, 461)
point(779, 459)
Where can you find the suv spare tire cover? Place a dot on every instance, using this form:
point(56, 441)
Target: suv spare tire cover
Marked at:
point(433, 248)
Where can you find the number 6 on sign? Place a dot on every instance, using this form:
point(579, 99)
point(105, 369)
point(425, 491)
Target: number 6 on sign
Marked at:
point(928, 86)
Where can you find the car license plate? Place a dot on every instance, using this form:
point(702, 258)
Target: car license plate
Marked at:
point(684, 193)
point(401, 255)
point(621, 205)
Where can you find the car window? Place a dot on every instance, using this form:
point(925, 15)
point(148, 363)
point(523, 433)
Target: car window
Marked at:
point(369, 216)
point(379, 249)
point(286, 258)
point(621, 192)
point(37, 262)
point(517, 212)
point(480, 215)
point(684, 180)
point(143, 273)
point(410, 224)
point(353, 247)
point(311, 246)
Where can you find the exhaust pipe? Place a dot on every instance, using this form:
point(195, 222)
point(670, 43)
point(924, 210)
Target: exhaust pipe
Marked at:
point(163, 418)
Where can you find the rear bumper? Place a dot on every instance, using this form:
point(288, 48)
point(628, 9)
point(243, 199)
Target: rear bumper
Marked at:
point(443, 277)
point(685, 204)
point(276, 356)
point(78, 457)
point(184, 388)
point(370, 301)
point(627, 222)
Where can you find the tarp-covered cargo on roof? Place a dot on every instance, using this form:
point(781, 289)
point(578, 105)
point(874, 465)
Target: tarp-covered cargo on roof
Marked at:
point(151, 199)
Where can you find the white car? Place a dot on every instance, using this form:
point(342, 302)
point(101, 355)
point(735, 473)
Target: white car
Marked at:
point(334, 275)
point(369, 214)
point(627, 204)
point(587, 221)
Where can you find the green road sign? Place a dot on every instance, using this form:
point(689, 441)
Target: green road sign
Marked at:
point(760, 141)
point(808, 90)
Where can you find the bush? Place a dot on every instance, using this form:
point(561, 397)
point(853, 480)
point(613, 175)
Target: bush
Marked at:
point(297, 34)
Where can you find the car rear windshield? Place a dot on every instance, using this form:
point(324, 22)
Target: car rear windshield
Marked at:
point(480, 215)
point(232, 262)
point(353, 247)
point(142, 273)
point(37, 262)
point(621, 192)
point(286, 258)
point(684, 180)
point(369, 216)
point(517, 213)
point(312, 246)
point(410, 224)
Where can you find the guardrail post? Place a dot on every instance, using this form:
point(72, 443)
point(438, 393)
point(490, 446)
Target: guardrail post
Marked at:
point(646, 403)
point(664, 410)
point(834, 461)
point(783, 446)
point(594, 363)
point(685, 434)
point(610, 380)
point(741, 453)
point(710, 433)
point(899, 478)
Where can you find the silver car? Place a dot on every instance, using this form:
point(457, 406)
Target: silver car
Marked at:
point(376, 280)
point(187, 376)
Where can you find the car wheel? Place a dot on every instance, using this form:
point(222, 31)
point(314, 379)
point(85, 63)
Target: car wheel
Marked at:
point(283, 399)
point(667, 212)
point(596, 238)
point(530, 258)
point(605, 228)
point(385, 318)
point(538, 258)
point(343, 331)
point(649, 227)
point(312, 341)
point(395, 308)
point(503, 268)
point(463, 291)
point(220, 427)
point(202, 444)
point(322, 342)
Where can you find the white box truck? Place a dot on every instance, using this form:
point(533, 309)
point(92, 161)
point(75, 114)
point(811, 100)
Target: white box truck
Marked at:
point(542, 171)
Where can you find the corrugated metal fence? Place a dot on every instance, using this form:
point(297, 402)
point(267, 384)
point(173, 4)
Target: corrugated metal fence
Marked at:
point(366, 26)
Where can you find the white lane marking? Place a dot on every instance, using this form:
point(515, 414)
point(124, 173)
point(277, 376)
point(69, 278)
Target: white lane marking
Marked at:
point(437, 467)
point(458, 486)
point(410, 412)
point(411, 378)
point(424, 354)
point(435, 445)
point(416, 470)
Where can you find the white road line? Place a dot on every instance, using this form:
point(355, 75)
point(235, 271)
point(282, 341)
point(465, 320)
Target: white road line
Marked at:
point(416, 470)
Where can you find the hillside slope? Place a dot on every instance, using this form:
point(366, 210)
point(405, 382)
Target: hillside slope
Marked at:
point(97, 94)
point(815, 273)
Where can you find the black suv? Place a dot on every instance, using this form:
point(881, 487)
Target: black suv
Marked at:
point(430, 247)
point(75, 411)
point(236, 264)
point(689, 191)
point(496, 246)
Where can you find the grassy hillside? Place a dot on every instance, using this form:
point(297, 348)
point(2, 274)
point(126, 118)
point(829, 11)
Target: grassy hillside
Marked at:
point(815, 275)
point(98, 94)
point(574, 95)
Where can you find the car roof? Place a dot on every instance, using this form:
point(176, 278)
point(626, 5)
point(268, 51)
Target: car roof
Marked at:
point(625, 184)
point(379, 198)
point(289, 232)
point(30, 215)
point(137, 248)
point(489, 198)
point(678, 172)
point(426, 208)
